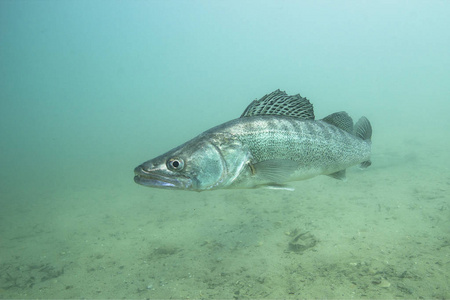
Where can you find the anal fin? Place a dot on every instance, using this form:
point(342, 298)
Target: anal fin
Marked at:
point(365, 164)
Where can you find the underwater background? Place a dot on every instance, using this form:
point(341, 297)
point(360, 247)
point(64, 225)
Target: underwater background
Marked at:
point(91, 89)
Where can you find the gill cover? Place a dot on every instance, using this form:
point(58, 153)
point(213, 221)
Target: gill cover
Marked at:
point(216, 161)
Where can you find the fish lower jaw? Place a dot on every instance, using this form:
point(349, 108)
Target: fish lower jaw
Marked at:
point(152, 179)
point(152, 182)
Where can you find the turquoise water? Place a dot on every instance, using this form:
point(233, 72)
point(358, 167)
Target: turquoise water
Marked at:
point(91, 89)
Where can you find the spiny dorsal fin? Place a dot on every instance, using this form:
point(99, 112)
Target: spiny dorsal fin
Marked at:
point(281, 104)
point(341, 120)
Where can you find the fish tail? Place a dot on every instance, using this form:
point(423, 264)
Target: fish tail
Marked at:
point(363, 130)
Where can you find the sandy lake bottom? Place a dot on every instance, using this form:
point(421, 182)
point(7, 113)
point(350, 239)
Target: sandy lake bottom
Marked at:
point(384, 233)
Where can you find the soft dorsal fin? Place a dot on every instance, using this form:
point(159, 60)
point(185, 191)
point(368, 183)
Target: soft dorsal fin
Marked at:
point(341, 120)
point(281, 104)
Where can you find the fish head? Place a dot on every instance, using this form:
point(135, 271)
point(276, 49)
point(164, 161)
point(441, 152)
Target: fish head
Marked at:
point(198, 165)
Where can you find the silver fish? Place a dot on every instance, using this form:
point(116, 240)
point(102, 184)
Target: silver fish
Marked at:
point(276, 140)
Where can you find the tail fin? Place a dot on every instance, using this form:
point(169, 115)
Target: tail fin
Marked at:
point(363, 129)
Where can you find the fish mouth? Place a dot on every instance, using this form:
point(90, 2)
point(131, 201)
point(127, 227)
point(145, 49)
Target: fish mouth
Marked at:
point(152, 179)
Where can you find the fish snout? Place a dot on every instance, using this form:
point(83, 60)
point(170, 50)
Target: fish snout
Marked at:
point(154, 175)
point(143, 169)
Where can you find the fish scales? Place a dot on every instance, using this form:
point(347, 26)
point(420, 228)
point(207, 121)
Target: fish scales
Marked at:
point(276, 140)
point(314, 144)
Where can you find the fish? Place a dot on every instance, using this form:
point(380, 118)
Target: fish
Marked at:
point(275, 141)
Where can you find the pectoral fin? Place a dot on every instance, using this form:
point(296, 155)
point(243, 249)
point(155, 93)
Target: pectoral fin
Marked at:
point(275, 170)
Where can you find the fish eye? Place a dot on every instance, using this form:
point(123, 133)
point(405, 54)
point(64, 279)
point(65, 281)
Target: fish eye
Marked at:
point(175, 164)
